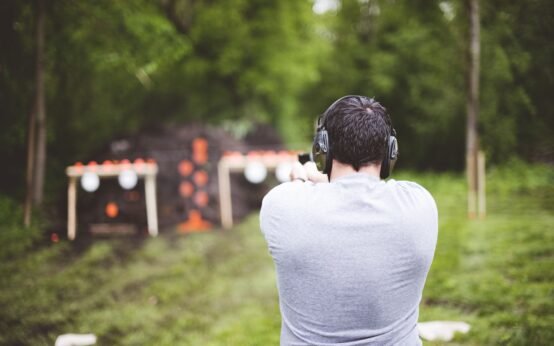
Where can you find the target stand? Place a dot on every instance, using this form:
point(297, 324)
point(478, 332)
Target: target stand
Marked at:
point(235, 162)
point(139, 169)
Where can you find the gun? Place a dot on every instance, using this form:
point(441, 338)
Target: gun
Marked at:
point(305, 157)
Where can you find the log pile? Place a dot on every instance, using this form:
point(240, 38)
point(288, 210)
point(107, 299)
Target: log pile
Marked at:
point(187, 158)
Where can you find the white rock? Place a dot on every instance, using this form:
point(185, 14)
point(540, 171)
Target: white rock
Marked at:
point(441, 330)
point(75, 340)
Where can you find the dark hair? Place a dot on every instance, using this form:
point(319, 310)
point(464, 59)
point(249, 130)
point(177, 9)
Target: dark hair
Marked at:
point(358, 129)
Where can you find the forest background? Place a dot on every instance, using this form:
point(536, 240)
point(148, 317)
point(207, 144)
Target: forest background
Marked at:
point(115, 68)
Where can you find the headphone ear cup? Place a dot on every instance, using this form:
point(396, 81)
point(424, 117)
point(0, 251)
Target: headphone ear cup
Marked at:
point(390, 157)
point(321, 151)
point(385, 168)
point(393, 154)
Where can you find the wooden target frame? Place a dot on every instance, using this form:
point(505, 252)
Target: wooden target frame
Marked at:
point(235, 162)
point(145, 170)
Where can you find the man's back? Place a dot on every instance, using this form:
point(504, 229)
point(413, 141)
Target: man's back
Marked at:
point(351, 258)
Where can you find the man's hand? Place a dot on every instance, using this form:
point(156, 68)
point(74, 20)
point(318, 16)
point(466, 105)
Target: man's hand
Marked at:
point(307, 172)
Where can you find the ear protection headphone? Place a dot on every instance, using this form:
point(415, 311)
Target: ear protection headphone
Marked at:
point(322, 153)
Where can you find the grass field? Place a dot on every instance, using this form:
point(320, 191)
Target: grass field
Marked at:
point(218, 288)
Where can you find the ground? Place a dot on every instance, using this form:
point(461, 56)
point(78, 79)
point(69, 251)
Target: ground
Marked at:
point(218, 288)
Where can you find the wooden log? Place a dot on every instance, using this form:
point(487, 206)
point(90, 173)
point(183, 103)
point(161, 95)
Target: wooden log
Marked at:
point(113, 228)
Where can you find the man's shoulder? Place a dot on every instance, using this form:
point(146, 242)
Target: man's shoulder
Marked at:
point(409, 186)
point(283, 193)
point(281, 205)
point(414, 190)
point(289, 199)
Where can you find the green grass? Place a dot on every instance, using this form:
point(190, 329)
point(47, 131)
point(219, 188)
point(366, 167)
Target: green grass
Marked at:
point(218, 288)
point(201, 289)
point(496, 274)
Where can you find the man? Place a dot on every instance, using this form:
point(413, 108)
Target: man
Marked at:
point(351, 251)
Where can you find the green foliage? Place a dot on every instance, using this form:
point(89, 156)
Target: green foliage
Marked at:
point(16, 88)
point(250, 60)
point(15, 240)
point(518, 176)
point(412, 56)
point(504, 100)
point(407, 56)
point(494, 273)
point(102, 80)
point(213, 288)
point(114, 68)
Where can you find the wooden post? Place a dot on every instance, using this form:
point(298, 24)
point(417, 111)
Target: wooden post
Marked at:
point(151, 212)
point(72, 208)
point(481, 177)
point(471, 186)
point(225, 202)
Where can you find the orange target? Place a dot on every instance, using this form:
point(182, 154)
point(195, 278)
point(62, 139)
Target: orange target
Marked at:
point(195, 223)
point(79, 167)
point(200, 150)
point(186, 189)
point(185, 168)
point(200, 178)
point(201, 199)
point(112, 210)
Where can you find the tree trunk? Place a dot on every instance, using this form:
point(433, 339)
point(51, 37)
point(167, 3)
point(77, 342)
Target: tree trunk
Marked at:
point(472, 139)
point(31, 148)
point(40, 165)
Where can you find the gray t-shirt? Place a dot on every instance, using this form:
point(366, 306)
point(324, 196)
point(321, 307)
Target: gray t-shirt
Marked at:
point(351, 259)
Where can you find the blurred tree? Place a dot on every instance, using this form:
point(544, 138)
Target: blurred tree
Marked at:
point(411, 55)
point(518, 76)
point(116, 67)
point(39, 108)
point(408, 55)
point(16, 90)
point(113, 68)
point(249, 60)
point(36, 147)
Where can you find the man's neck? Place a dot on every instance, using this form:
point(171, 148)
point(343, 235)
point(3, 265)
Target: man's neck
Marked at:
point(341, 170)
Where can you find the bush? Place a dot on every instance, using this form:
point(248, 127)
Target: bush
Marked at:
point(15, 239)
point(519, 176)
